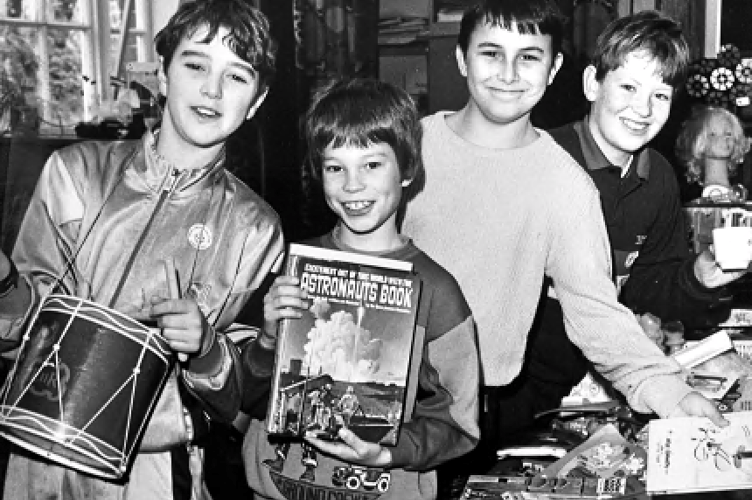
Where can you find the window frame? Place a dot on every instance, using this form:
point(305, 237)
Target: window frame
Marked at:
point(96, 57)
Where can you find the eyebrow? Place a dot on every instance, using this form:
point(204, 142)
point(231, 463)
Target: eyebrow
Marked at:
point(196, 53)
point(487, 45)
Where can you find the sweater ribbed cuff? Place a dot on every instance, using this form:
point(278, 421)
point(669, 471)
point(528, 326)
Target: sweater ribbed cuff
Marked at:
point(660, 394)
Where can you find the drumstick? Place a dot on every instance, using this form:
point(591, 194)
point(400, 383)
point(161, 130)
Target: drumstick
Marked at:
point(174, 288)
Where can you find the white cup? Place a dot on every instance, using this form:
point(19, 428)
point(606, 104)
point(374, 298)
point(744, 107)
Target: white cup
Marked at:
point(732, 247)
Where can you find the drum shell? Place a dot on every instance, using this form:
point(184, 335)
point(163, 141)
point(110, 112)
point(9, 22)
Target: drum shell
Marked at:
point(84, 385)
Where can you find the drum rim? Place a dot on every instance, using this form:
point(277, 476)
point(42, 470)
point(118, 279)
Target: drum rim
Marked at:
point(159, 347)
point(51, 455)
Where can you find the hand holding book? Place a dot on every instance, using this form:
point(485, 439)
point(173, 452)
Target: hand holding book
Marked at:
point(285, 299)
point(352, 449)
point(695, 404)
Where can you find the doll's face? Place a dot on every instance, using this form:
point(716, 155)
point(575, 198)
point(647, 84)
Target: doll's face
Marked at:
point(720, 139)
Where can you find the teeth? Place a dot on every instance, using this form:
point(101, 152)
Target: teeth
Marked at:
point(357, 205)
point(634, 125)
point(206, 111)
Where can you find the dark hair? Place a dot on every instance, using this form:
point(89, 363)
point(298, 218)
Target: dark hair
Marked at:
point(658, 36)
point(360, 112)
point(248, 38)
point(526, 16)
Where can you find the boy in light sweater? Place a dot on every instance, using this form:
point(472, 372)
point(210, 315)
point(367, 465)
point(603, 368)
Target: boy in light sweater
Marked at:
point(505, 207)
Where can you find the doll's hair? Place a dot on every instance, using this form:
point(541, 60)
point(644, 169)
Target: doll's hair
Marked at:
point(692, 141)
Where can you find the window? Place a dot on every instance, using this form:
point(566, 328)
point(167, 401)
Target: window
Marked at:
point(57, 57)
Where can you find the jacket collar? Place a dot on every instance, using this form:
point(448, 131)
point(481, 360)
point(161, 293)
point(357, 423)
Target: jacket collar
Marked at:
point(596, 160)
point(156, 170)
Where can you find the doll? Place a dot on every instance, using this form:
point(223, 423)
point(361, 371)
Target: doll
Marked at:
point(711, 144)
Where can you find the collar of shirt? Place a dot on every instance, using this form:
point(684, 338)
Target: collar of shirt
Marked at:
point(595, 159)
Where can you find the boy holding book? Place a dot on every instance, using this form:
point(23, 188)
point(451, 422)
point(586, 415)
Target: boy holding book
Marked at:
point(528, 213)
point(363, 139)
point(105, 216)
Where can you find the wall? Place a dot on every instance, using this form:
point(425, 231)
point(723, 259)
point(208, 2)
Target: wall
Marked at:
point(161, 12)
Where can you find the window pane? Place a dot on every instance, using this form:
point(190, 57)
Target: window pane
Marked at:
point(116, 15)
point(19, 9)
point(130, 51)
point(18, 62)
point(65, 10)
point(64, 108)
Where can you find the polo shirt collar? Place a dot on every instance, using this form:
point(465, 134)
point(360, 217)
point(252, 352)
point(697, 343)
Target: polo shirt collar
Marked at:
point(595, 159)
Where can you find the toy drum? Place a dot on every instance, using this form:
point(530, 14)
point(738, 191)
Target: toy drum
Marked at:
point(83, 385)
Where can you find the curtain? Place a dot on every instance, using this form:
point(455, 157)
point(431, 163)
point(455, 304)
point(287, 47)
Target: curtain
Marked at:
point(336, 38)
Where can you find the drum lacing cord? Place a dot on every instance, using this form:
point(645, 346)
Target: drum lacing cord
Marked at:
point(42, 365)
point(132, 380)
point(72, 261)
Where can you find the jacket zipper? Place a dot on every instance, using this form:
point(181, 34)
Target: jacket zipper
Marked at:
point(170, 183)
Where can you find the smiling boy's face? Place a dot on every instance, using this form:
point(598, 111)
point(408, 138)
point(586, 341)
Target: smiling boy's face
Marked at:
point(210, 92)
point(363, 186)
point(507, 71)
point(629, 106)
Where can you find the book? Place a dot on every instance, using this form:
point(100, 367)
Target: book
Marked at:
point(352, 359)
point(605, 454)
point(691, 454)
point(496, 487)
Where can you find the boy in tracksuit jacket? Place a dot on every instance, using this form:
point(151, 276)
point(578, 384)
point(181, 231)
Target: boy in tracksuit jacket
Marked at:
point(109, 213)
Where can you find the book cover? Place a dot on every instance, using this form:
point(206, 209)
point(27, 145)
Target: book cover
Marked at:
point(605, 454)
point(691, 454)
point(348, 360)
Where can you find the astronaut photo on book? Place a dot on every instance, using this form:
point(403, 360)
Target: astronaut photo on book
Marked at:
point(347, 362)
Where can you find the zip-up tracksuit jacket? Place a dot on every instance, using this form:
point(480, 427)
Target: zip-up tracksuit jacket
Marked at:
point(106, 214)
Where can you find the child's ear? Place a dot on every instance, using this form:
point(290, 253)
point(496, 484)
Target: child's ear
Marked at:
point(162, 77)
point(461, 64)
point(257, 103)
point(590, 85)
point(406, 182)
point(555, 67)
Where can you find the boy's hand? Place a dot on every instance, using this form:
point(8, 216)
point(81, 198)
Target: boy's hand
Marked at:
point(353, 449)
point(285, 299)
point(183, 325)
point(695, 404)
point(709, 273)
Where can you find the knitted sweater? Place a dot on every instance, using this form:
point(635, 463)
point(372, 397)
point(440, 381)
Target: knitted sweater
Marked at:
point(499, 220)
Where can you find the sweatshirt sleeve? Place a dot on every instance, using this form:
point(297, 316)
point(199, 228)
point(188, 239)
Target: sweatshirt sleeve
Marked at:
point(662, 279)
point(606, 331)
point(257, 365)
point(444, 422)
